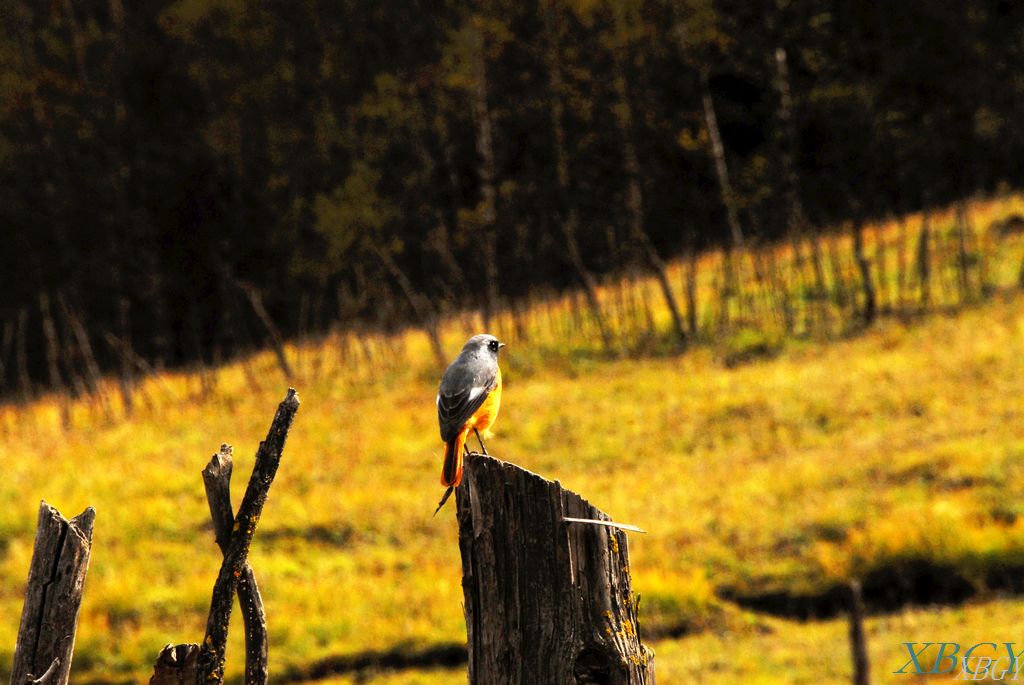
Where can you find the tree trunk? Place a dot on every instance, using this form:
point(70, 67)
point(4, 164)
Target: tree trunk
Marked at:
point(924, 263)
point(56, 580)
point(568, 221)
point(21, 357)
point(787, 149)
point(691, 291)
point(77, 39)
point(864, 266)
point(52, 357)
point(732, 283)
point(422, 309)
point(634, 194)
point(547, 601)
point(487, 174)
point(446, 211)
point(127, 380)
point(277, 342)
point(5, 350)
point(94, 377)
point(721, 168)
point(963, 261)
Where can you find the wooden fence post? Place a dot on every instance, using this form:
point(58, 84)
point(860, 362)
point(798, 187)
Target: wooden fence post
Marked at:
point(217, 479)
point(547, 601)
point(190, 663)
point(858, 639)
point(56, 580)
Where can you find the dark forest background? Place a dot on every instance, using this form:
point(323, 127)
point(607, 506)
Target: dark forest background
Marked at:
point(180, 180)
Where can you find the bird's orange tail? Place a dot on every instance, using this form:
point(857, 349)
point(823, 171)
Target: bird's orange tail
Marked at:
point(451, 473)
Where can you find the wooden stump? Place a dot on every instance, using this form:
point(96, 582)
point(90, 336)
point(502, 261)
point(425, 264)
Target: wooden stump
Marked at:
point(176, 665)
point(56, 580)
point(546, 601)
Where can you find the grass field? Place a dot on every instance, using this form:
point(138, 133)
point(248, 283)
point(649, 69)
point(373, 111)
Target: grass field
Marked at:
point(771, 651)
point(818, 462)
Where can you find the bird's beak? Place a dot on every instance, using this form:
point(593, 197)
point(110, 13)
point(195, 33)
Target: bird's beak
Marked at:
point(501, 345)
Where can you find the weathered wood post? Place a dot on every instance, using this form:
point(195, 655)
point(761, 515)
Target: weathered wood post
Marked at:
point(195, 664)
point(547, 601)
point(56, 580)
point(217, 479)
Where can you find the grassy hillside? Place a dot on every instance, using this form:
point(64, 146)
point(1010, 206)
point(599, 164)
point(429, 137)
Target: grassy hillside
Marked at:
point(788, 474)
point(773, 651)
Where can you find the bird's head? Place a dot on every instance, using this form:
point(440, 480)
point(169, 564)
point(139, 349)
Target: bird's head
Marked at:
point(483, 344)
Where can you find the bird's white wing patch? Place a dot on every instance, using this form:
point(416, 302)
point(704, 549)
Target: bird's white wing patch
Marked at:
point(438, 401)
point(475, 393)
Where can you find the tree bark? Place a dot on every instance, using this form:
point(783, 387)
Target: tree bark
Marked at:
point(547, 601)
point(56, 581)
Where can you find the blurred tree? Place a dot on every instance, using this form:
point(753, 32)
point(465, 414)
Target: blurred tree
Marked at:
point(388, 160)
point(625, 26)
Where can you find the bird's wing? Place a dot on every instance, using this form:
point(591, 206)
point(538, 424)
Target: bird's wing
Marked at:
point(461, 394)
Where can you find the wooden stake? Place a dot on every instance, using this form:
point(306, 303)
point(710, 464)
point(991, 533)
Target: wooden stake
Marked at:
point(546, 601)
point(56, 580)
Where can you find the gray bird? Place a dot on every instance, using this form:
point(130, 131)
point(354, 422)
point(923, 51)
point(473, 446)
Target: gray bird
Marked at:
point(468, 399)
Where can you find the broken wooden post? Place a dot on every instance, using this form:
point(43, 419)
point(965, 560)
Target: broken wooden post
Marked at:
point(56, 580)
point(547, 601)
point(217, 479)
point(176, 665)
point(192, 664)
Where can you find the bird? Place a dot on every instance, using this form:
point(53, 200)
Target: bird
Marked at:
point(467, 400)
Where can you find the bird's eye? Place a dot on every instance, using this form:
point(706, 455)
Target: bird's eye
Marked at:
point(493, 345)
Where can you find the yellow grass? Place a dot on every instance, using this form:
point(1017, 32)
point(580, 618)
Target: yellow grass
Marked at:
point(769, 651)
point(787, 473)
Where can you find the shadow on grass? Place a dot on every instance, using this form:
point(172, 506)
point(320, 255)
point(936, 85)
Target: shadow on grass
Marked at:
point(888, 588)
point(446, 655)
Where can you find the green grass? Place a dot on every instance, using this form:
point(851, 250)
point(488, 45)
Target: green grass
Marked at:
point(791, 470)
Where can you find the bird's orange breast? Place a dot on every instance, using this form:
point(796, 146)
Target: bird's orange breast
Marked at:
point(484, 417)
